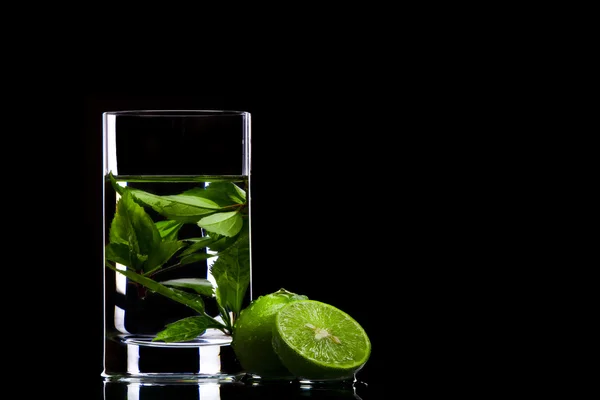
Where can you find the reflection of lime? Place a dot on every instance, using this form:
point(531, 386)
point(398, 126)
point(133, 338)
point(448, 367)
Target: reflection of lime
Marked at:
point(317, 341)
point(252, 334)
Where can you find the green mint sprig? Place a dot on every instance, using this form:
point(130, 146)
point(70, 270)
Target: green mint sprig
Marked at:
point(147, 248)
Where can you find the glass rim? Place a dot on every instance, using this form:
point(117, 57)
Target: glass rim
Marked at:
point(177, 113)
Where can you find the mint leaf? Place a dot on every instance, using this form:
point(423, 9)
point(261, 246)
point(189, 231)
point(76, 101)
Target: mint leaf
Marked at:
point(169, 229)
point(237, 194)
point(118, 188)
point(201, 286)
point(195, 201)
point(192, 258)
point(222, 242)
point(172, 207)
point(198, 245)
point(224, 223)
point(123, 254)
point(231, 271)
point(136, 240)
point(223, 193)
point(120, 253)
point(161, 253)
point(185, 329)
point(132, 226)
point(196, 251)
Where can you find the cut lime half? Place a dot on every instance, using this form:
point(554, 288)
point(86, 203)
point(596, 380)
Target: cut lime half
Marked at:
point(319, 342)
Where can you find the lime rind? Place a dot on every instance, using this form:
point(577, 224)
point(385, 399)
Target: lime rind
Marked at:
point(252, 335)
point(318, 341)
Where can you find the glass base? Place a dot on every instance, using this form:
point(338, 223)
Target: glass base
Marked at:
point(174, 378)
point(136, 358)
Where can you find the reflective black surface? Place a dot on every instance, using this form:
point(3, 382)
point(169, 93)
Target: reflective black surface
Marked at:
point(231, 390)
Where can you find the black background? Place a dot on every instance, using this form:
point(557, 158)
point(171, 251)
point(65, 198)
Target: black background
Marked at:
point(396, 140)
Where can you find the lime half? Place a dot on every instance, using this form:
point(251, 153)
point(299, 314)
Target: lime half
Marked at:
point(319, 342)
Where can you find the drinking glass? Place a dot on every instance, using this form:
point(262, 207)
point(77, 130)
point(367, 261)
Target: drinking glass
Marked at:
point(177, 242)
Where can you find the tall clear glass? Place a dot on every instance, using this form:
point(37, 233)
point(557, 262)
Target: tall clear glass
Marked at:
point(177, 242)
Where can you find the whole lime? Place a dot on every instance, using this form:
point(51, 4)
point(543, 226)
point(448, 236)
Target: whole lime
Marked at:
point(252, 335)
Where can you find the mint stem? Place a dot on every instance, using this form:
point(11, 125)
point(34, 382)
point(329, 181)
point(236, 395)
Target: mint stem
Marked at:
point(179, 296)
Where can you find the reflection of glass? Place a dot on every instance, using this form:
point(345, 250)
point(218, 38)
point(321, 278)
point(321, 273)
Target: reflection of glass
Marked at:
point(145, 391)
point(176, 242)
point(213, 390)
